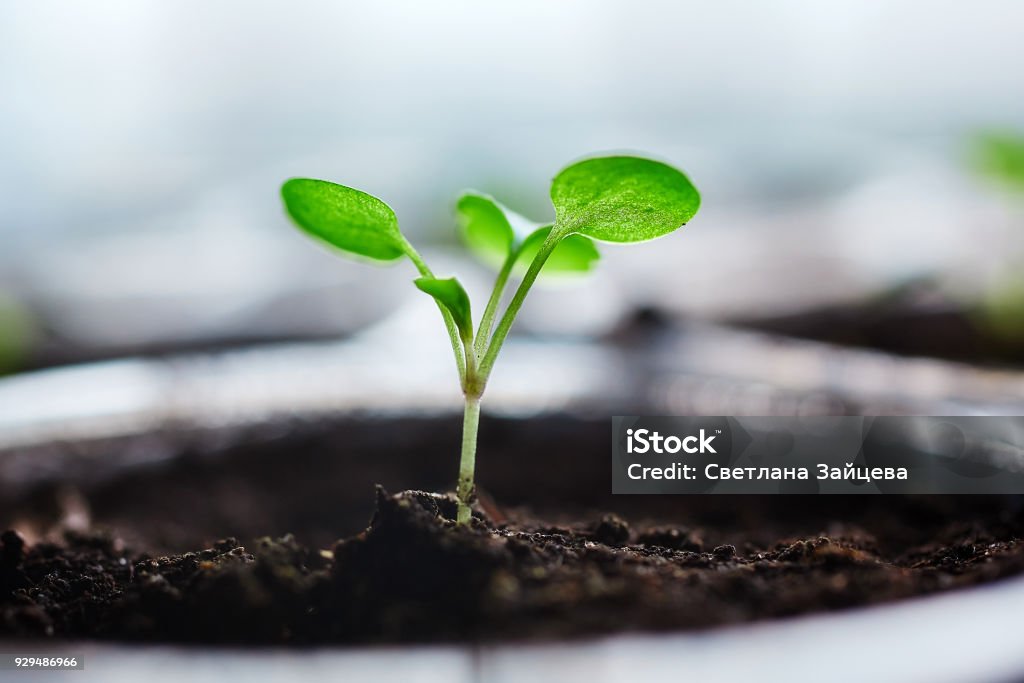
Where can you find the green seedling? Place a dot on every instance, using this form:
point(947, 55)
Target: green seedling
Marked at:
point(617, 199)
point(1000, 156)
point(17, 333)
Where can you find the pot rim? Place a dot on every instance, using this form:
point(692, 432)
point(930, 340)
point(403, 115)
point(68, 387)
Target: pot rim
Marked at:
point(966, 635)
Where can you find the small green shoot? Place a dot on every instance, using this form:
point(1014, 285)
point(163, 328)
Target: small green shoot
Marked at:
point(17, 333)
point(1000, 155)
point(617, 199)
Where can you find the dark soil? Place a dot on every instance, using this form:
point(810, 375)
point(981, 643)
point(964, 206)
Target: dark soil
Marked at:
point(415, 576)
point(129, 552)
point(916, 320)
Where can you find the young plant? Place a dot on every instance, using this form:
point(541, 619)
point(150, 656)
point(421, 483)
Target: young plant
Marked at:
point(1000, 156)
point(618, 199)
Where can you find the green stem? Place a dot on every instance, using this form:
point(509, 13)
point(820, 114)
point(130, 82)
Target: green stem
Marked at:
point(466, 361)
point(505, 324)
point(449, 322)
point(467, 463)
point(487, 321)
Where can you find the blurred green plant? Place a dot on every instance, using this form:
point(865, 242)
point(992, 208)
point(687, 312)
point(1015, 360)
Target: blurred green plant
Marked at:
point(618, 199)
point(17, 334)
point(1002, 308)
point(999, 155)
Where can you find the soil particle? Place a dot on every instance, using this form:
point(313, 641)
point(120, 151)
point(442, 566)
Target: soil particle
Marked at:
point(672, 538)
point(612, 530)
point(415, 576)
point(724, 552)
point(13, 548)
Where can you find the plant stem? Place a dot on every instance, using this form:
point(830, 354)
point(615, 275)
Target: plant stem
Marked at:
point(467, 463)
point(505, 324)
point(449, 322)
point(487, 321)
point(470, 421)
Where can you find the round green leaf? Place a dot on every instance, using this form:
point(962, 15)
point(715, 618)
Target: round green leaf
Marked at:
point(345, 218)
point(622, 199)
point(484, 227)
point(490, 229)
point(574, 254)
point(449, 293)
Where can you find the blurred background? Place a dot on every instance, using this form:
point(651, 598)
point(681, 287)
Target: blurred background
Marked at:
point(856, 162)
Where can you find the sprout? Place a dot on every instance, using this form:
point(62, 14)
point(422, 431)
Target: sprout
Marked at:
point(1000, 155)
point(17, 333)
point(609, 199)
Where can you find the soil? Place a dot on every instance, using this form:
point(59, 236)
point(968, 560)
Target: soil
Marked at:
point(915, 320)
point(414, 576)
point(134, 555)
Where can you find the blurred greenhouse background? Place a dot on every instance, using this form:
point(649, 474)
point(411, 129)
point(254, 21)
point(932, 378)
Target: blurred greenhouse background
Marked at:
point(143, 144)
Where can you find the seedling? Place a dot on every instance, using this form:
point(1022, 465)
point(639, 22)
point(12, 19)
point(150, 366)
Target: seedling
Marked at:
point(616, 199)
point(1000, 155)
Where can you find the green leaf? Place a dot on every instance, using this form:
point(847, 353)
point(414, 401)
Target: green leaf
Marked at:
point(490, 229)
point(353, 221)
point(484, 227)
point(622, 199)
point(449, 293)
point(574, 254)
point(1001, 155)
